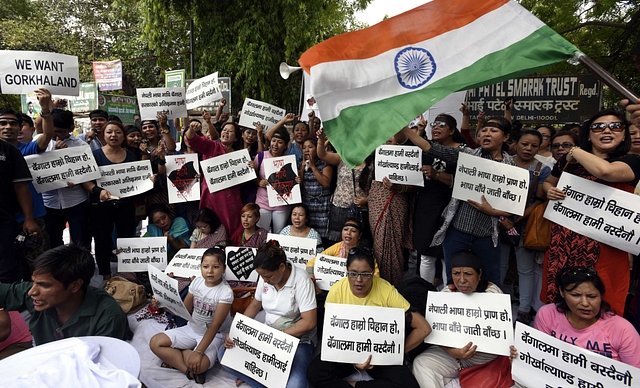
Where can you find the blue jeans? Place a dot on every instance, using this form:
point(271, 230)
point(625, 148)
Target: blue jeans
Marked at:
point(526, 260)
point(298, 375)
point(482, 247)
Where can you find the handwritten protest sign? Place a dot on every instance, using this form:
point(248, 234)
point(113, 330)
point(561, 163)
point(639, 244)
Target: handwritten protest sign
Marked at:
point(22, 72)
point(135, 253)
point(227, 170)
point(183, 183)
point(328, 270)
point(240, 264)
point(298, 249)
point(263, 353)
point(170, 101)
point(256, 112)
point(481, 318)
point(186, 263)
point(351, 333)
point(165, 290)
point(504, 187)
point(52, 170)
point(203, 91)
point(281, 173)
point(108, 74)
point(544, 361)
point(603, 213)
point(401, 164)
point(126, 179)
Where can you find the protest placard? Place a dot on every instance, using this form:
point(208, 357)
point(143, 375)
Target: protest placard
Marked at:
point(183, 183)
point(256, 112)
point(22, 72)
point(170, 101)
point(544, 361)
point(165, 290)
point(481, 318)
point(227, 170)
point(135, 253)
point(240, 264)
point(328, 270)
point(186, 263)
point(504, 187)
point(603, 213)
point(126, 179)
point(125, 107)
point(263, 353)
point(281, 173)
point(298, 249)
point(203, 91)
point(351, 333)
point(108, 74)
point(401, 164)
point(52, 170)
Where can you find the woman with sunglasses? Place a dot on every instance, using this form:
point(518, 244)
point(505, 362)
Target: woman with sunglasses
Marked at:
point(562, 142)
point(362, 288)
point(601, 157)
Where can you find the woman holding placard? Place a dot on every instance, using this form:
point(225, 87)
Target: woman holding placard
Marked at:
point(601, 157)
point(361, 287)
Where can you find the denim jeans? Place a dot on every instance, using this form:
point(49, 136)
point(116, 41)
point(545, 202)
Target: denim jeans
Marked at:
point(482, 247)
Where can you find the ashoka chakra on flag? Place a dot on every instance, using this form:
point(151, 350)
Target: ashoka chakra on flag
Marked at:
point(414, 66)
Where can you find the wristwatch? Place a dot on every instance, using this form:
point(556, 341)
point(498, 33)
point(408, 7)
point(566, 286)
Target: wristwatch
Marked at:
point(45, 115)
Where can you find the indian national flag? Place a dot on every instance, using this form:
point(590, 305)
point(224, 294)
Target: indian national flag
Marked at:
point(371, 83)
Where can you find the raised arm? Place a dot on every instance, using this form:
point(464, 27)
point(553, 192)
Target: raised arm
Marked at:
point(165, 133)
point(329, 157)
point(289, 117)
point(213, 133)
point(44, 97)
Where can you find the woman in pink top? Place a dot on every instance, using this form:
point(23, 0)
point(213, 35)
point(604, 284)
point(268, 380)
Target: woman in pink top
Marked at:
point(14, 334)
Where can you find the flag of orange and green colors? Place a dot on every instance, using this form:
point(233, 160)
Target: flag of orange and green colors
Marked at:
point(370, 83)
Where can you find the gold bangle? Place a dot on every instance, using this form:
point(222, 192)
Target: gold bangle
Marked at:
point(200, 352)
point(570, 154)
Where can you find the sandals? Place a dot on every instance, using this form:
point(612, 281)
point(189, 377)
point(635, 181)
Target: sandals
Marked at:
point(199, 378)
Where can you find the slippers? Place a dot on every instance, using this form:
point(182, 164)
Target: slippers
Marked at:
point(167, 366)
point(188, 374)
point(201, 378)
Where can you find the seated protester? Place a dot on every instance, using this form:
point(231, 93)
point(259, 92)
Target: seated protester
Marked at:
point(209, 231)
point(14, 334)
point(438, 363)
point(161, 223)
point(362, 288)
point(60, 300)
point(299, 226)
point(249, 234)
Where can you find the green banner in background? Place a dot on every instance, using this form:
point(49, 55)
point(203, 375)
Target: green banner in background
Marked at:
point(87, 100)
point(125, 107)
point(174, 78)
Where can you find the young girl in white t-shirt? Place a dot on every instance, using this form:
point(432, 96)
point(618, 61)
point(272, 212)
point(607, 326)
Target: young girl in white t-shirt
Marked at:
point(193, 349)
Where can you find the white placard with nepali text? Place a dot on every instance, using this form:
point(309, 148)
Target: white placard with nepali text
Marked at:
point(227, 170)
point(256, 112)
point(186, 263)
point(52, 170)
point(263, 353)
point(505, 187)
point(600, 212)
point(482, 318)
point(183, 182)
point(22, 72)
point(170, 101)
point(126, 179)
point(544, 361)
point(401, 164)
point(165, 290)
point(328, 270)
point(134, 254)
point(351, 333)
point(240, 264)
point(298, 249)
point(281, 173)
point(203, 91)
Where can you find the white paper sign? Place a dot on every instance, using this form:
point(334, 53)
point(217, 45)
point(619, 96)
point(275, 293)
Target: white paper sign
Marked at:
point(52, 170)
point(256, 112)
point(186, 263)
point(203, 91)
point(310, 103)
point(281, 172)
point(263, 353)
point(126, 179)
point(544, 361)
point(328, 270)
point(504, 187)
point(481, 318)
point(240, 264)
point(22, 72)
point(134, 254)
point(183, 183)
point(227, 170)
point(401, 164)
point(351, 333)
point(298, 249)
point(600, 212)
point(170, 101)
point(165, 290)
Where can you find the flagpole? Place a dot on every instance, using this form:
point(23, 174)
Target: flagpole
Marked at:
point(606, 77)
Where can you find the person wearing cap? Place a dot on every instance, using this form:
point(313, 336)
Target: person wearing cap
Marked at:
point(438, 363)
point(95, 135)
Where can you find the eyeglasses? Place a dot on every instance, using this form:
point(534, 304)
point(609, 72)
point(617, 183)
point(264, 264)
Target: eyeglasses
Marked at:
point(364, 275)
point(615, 126)
point(9, 123)
point(439, 124)
point(564, 145)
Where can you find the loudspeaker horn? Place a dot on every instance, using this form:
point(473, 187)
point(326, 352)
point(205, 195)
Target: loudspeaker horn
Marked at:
point(286, 70)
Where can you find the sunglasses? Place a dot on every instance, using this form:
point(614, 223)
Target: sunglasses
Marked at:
point(439, 124)
point(564, 145)
point(10, 123)
point(615, 126)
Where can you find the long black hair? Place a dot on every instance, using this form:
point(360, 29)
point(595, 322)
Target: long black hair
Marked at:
point(622, 148)
point(568, 278)
point(269, 257)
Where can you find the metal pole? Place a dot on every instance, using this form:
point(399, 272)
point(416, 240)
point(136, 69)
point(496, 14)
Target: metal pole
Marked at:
point(192, 55)
point(607, 78)
point(301, 95)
